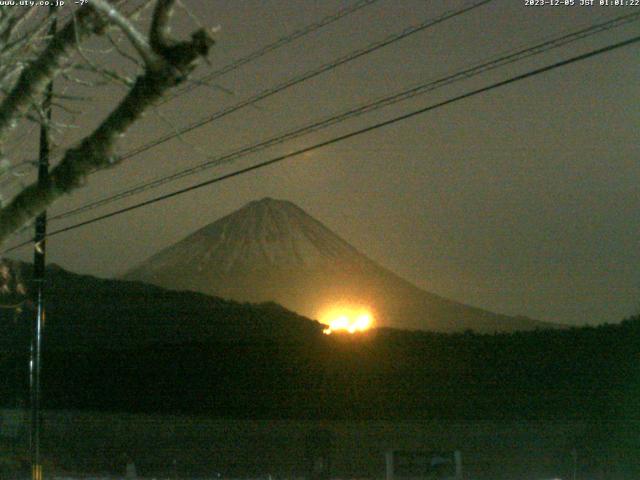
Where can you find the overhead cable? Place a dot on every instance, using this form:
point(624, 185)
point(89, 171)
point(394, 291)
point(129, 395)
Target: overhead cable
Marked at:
point(307, 76)
point(343, 137)
point(423, 88)
point(280, 42)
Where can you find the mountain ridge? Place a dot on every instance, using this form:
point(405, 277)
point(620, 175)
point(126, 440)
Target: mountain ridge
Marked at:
point(272, 250)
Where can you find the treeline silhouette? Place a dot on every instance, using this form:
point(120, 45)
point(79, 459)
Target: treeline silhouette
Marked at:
point(125, 346)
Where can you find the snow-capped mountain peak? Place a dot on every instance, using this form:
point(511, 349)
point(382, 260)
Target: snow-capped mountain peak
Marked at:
point(272, 250)
point(262, 234)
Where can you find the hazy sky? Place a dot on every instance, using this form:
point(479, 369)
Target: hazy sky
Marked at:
point(524, 200)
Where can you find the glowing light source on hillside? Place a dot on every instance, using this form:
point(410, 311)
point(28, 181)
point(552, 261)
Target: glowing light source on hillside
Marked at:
point(349, 320)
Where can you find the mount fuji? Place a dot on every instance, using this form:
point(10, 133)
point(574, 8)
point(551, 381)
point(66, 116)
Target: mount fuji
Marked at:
point(272, 250)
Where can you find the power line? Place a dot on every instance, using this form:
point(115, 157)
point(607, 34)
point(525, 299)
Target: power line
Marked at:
point(280, 42)
point(449, 14)
point(346, 136)
point(505, 59)
point(307, 76)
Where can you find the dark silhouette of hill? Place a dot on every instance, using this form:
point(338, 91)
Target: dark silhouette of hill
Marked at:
point(129, 347)
point(115, 346)
point(385, 374)
point(85, 312)
point(126, 346)
point(271, 250)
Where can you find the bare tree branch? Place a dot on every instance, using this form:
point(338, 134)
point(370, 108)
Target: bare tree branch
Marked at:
point(113, 75)
point(35, 77)
point(136, 38)
point(174, 61)
point(159, 35)
point(122, 52)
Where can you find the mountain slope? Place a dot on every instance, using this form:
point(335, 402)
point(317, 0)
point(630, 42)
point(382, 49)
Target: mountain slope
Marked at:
point(271, 250)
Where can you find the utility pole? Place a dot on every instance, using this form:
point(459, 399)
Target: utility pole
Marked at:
point(38, 282)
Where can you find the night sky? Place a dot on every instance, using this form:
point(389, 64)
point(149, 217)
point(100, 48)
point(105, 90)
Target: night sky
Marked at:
point(523, 200)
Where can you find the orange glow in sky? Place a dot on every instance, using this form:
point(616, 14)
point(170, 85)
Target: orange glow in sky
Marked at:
point(346, 319)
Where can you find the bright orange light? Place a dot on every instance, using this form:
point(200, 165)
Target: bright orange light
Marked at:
point(351, 320)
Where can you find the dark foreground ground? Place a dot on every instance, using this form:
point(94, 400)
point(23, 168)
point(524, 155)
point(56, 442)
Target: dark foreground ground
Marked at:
point(77, 443)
